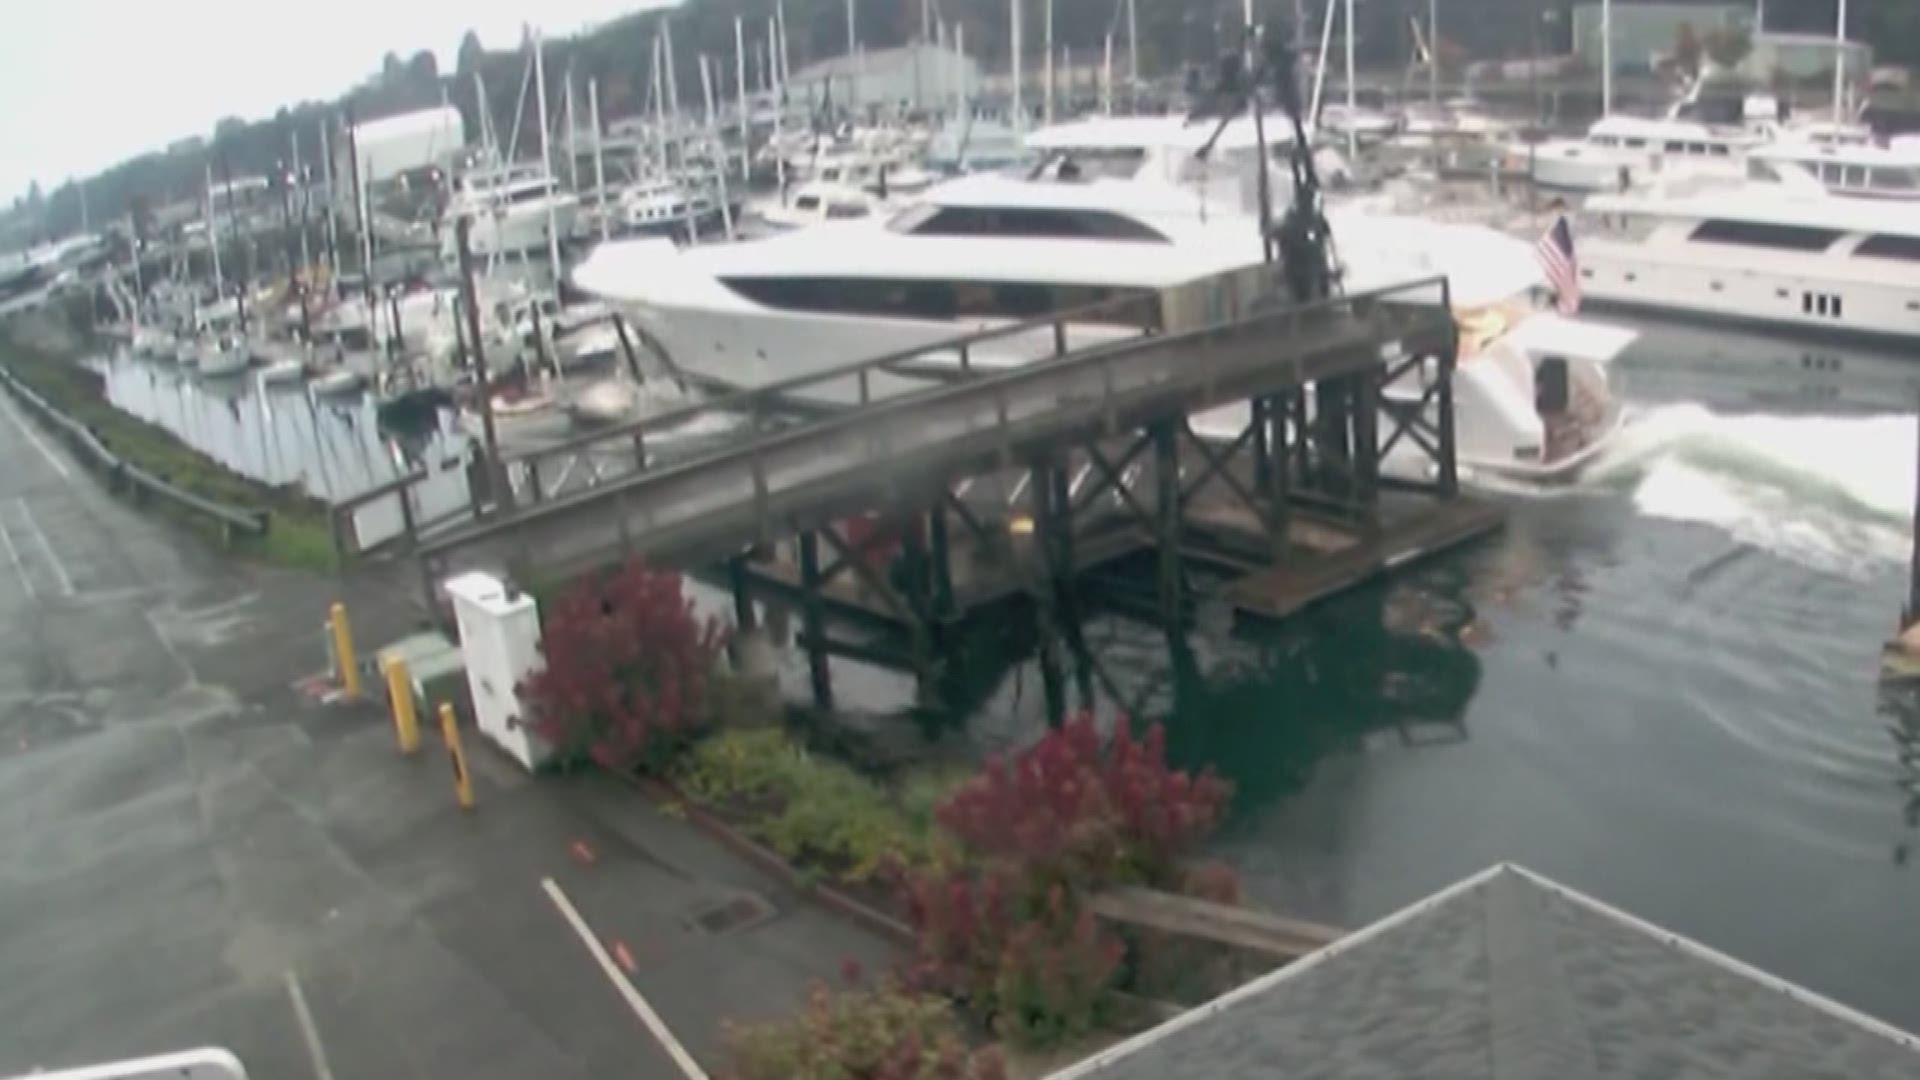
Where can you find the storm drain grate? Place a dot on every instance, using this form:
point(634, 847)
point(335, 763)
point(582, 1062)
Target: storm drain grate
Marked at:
point(727, 916)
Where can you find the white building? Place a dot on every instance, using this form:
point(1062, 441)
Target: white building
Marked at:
point(926, 73)
point(398, 144)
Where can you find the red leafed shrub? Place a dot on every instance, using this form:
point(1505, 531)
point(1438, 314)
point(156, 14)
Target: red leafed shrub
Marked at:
point(887, 1033)
point(1007, 931)
point(626, 669)
point(1071, 810)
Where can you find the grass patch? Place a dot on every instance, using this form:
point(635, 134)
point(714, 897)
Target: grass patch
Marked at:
point(300, 536)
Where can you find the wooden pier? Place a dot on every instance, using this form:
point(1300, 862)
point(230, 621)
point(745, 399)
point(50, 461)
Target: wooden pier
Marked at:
point(951, 489)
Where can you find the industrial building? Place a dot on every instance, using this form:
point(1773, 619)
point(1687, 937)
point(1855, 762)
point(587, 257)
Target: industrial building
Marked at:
point(1646, 34)
point(924, 73)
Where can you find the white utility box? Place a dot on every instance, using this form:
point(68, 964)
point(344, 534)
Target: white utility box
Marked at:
point(500, 638)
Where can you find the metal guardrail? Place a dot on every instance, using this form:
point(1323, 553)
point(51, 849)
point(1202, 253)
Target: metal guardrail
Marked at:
point(810, 469)
point(124, 475)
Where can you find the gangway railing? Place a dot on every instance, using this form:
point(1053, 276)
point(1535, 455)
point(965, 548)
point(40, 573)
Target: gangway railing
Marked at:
point(395, 514)
point(892, 447)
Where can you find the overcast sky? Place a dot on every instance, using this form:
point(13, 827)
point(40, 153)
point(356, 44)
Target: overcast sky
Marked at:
point(87, 83)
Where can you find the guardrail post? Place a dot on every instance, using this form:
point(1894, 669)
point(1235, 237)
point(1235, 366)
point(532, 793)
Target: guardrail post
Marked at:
point(343, 653)
point(456, 753)
point(406, 725)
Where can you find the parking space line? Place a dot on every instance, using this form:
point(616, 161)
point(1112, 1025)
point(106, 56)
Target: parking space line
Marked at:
point(321, 1070)
point(53, 459)
point(60, 571)
point(19, 568)
point(689, 1067)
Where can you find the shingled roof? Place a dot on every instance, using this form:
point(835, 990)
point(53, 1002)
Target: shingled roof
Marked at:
point(1508, 975)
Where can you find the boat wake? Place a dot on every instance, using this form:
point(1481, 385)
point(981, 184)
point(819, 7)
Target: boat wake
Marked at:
point(1831, 493)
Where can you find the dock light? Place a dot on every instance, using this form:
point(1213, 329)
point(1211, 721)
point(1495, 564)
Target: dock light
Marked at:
point(1021, 526)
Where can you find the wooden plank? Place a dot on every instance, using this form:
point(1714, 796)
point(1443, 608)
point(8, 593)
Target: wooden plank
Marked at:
point(1244, 928)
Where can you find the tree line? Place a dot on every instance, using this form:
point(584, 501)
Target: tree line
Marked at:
point(619, 55)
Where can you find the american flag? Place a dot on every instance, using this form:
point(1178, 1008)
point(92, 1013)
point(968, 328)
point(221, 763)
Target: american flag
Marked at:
point(1557, 258)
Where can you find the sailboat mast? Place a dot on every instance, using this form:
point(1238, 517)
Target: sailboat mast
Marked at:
point(573, 137)
point(1133, 47)
point(853, 59)
point(1019, 103)
point(213, 239)
point(1433, 54)
point(333, 204)
point(717, 156)
point(599, 155)
point(1046, 67)
point(1606, 57)
point(546, 160)
point(740, 95)
point(1840, 65)
point(1353, 148)
point(673, 82)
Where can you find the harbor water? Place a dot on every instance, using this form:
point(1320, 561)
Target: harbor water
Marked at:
point(1658, 685)
point(331, 447)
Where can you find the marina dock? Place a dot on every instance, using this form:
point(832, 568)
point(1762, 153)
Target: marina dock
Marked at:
point(922, 508)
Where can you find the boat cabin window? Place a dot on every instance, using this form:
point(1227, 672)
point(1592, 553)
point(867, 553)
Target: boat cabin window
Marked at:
point(1033, 223)
point(1091, 163)
point(807, 202)
point(1765, 235)
point(932, 299)
point(1894, 179)
point(1636, 144)
point(1889, 246)
point(1719, 150)
point(1763, 171)
point(830, 175)
point(841, 211)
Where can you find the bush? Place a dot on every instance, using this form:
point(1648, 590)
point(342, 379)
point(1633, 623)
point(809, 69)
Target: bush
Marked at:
point(807, 809)
point(626, 670)
point(881, 1034)
point(1070, 811)
point(1005, 928)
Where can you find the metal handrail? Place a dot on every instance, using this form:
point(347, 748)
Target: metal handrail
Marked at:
point(749, 400)
point(83, 440)
point(998, 385)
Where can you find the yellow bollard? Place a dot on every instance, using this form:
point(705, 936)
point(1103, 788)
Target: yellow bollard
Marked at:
point(400, 694)
point(450, 731)
point(343, 651)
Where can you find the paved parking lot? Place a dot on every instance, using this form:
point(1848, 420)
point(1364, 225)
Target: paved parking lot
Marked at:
point(196, 852)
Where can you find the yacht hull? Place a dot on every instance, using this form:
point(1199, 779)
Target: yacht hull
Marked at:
point(1741, 289)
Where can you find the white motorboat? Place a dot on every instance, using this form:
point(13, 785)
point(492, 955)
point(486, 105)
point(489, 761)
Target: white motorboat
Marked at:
point(666, 206)
point(1860, 170)
point(510, 208)
point(987, 252)
point(816, 201)
point(1618, 152)
point(1763, 254)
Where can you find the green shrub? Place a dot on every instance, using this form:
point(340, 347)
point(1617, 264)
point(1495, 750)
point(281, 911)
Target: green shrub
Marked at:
point(810, 809)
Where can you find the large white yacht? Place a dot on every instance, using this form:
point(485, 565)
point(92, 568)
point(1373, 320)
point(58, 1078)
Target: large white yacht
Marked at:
point(989, 251)
point(1852, 168)
point(1620, 151)
point(1759, 253)
point(511, 208)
